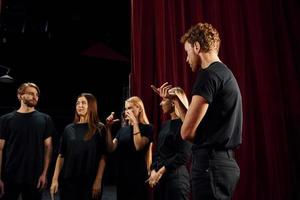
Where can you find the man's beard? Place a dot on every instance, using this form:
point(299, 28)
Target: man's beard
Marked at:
point(30, 103)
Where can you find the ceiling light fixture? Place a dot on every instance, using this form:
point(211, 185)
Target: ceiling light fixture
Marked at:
point(6, 78)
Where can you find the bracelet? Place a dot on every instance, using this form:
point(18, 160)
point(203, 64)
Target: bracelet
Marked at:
point(136, 133)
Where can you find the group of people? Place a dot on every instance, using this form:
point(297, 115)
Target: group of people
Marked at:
point(208, 130)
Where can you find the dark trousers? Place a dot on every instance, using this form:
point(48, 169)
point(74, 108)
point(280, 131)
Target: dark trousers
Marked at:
point(214, 174)
point(174, 185)
point(76, 189)
point(28, 191)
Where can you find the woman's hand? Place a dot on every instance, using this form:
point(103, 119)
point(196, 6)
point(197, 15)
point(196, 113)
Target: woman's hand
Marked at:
point(154, 178)
point(130, 117)
point(96, 189)
point(110, 119)
point(53, 188)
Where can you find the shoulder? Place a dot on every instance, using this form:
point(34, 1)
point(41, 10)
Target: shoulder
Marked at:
point(146, 125)
point(211, 77)
point(42, 114)
point(219, 70)
point(101, 128)
point(177, 121)
point(165, 123)
point(100, 125)
point(70, 126)
point(8, 115)
point(69, 129)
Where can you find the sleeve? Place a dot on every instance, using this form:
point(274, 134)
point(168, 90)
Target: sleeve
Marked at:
point(154, 164)
point(206, 85)
point(50, 130)
point(147, 131)
point(182, 155)
point(63, 143)
point(155, 158)
point(102, 139)
point(118, 135)
point(3, 128)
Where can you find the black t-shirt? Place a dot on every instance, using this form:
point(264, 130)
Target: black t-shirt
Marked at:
point(24, 135)
point(130, 161)
point(81, 156)
point(172, 151)
point(221, 127)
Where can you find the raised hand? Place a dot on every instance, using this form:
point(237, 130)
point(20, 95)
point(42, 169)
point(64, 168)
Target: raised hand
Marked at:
point(130, 117)
point(110, 119)
point(163, 90)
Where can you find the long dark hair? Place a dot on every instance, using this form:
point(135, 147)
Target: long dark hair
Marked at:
point(92, 112)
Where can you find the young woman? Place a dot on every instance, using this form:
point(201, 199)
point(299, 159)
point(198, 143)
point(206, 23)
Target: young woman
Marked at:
point(131, 144)
point(81, 160)
point(169, 173)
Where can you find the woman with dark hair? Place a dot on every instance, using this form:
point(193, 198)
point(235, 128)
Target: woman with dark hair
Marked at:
point(81, 161)
point(169, 173)
point(131, 145)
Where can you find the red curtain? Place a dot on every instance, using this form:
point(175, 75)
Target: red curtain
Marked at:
point(260, 44)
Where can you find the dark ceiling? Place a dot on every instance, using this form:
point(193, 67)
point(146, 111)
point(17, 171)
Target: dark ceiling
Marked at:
point(66, 47)
point(70, 24)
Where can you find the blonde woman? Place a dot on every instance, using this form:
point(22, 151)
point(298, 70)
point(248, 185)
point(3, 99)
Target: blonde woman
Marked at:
point(131, 144)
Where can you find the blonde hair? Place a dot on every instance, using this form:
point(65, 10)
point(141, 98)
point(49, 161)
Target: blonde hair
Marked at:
point(179, 92)
point(138, 102)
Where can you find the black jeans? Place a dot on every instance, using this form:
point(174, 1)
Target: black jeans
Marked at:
point(174, 185)
point(77, 189)
point(214, 174)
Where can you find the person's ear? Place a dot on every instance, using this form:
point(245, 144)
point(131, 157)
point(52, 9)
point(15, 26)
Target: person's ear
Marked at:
point(139, 109)
point(19, 97)
point(197, 47)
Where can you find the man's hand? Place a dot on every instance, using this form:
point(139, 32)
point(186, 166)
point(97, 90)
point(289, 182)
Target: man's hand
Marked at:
point(42, 183)
point(163, 90)
point(1, 188)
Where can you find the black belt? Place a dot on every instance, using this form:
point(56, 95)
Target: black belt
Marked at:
point(212, 152)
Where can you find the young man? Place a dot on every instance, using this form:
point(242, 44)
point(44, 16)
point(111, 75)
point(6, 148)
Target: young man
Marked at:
point(213, 121)
point(25, 137)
